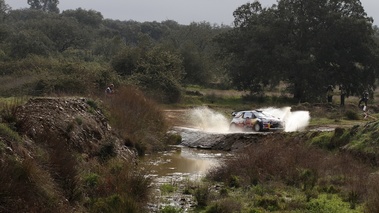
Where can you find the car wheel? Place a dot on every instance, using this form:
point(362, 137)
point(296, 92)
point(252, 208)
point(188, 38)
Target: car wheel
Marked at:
point(234, 128)
point(257, 127)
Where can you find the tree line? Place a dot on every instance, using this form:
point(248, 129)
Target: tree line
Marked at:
point(307, 45)
point(300, 44)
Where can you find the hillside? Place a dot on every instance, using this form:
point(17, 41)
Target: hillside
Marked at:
point(59, 154)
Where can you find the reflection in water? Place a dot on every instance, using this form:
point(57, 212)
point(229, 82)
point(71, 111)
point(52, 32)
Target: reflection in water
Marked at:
point(182, 160)
point(176, 167)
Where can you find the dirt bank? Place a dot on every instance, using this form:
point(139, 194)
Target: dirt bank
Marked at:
point(77, 121)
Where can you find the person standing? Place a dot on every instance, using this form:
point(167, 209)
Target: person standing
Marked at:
point(329, 93)
point(343, 94)
point(363, 100)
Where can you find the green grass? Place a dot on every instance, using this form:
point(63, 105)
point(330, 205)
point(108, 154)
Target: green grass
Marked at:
point(167, 188)
point(330, 203)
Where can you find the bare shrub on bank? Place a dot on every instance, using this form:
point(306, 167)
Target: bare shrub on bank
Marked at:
point(372, 204)
point(137, 118)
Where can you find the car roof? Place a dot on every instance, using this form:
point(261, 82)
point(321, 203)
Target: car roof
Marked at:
point(254, 110)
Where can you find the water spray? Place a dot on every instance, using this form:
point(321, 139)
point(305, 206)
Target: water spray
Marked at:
point(209, 120)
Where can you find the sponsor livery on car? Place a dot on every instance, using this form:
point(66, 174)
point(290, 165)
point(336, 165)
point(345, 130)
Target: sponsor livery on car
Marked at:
point(255, 120)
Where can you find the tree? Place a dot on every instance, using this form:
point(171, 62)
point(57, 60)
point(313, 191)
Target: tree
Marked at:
point(29, 42)
point(44, 5)
point(87, 17)
point(4, 8)
point(306, 44)
point(152, 68)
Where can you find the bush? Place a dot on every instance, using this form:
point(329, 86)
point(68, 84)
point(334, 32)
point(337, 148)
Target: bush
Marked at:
point(227, 205)
point(372, 204)
point(171, 209)
point(137, 118)
point(352, 115)
point(202, 194)
point(9, 134)
point(167, 188)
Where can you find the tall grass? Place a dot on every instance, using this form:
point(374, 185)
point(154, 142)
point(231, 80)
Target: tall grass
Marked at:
point(137, 118)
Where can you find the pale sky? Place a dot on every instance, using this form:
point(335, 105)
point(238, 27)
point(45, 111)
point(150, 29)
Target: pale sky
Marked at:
point(181, 11)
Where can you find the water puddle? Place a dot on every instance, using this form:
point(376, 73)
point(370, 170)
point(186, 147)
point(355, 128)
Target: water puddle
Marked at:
point(181, 160)
point(177, 167)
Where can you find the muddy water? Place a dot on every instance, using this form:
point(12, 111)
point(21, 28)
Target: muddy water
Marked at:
point(177, 167)
point(181, 160)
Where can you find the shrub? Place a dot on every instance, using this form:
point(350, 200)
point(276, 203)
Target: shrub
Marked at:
point(107, 152)
point(234, 181)
point(227, 205)
point(8, 109)
point(352, 115)
point(118, 187)
point(322, 140)
point(114, 203)
point(137, 118)
point(372, 204)
point(8, 133)
point(173, 139)
point(202, 194)
point(268, 202)
point(167, 188)
point(91, 180)
point(171, 209)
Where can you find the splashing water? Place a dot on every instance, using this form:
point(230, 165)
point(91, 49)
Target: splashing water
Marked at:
point(295, 121)
point(209, 120)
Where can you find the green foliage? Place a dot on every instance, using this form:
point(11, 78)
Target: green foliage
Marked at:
point(9, 134)
point(107, 151)
point(8, 108)
point(90, 18)
point(329, 203)
point(322, 139)
point(227, 205)
point(167, 189)
point(173, 139)
point(202, 194)
point(39, 76)
point(364, 139)
point(91, 180)
point(114, 203)
point(268, 202)
point(44, 5)
point(270, 45)
point(92, 104)
point(234, 181)
point(157, 71)
point(352, 115)
point(171, 209)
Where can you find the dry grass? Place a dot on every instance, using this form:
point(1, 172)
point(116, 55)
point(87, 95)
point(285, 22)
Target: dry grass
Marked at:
point(137, 118)
point(372, 204)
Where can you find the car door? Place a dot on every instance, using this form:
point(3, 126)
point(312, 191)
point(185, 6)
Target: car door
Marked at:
point(249, 119)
